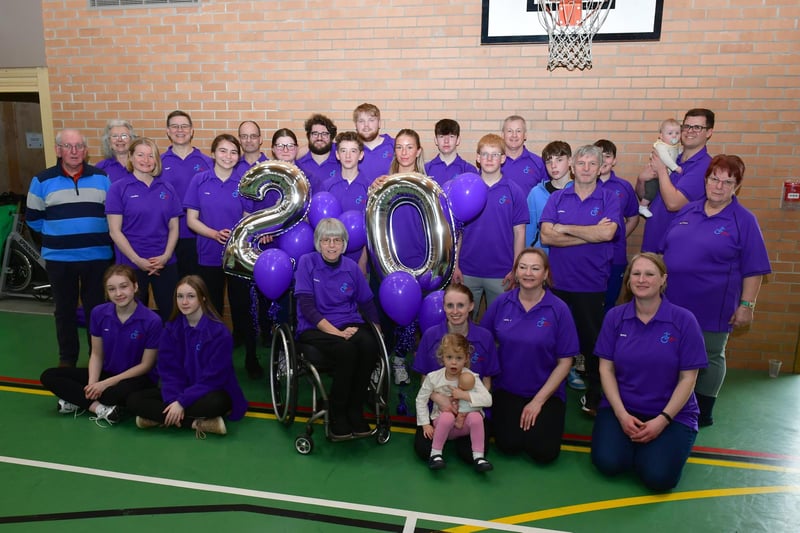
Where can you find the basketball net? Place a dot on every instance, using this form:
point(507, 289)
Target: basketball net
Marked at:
point(571, 25)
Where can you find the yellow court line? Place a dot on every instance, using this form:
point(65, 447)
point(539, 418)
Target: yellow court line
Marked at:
point(629, 502)
point(26, 391)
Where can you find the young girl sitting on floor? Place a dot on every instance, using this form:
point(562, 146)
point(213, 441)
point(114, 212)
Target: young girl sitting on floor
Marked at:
point(454, 354)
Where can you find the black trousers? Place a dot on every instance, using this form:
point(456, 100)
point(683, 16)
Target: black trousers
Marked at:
point(238, 289)
point(542, 442)
point(149, 404)
point(70, 281)
point(186, 255)
point(68, 384)
point(354, 360)
point(588, 310)
point(163, 288)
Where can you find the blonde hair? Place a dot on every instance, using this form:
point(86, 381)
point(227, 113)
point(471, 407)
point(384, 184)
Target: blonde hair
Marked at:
point(456, 344)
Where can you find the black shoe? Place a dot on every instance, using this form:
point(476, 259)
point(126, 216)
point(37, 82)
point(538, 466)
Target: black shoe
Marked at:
point(706, 406)
point(361, 428)
point(481, 464)
point(339, 430)
point(436, 462)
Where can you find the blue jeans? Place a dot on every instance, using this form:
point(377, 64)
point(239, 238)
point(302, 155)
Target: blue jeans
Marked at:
point(659, 463)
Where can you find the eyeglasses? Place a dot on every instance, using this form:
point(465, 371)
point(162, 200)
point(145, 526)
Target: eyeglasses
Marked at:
point(725, 183)
point(320, 134)
point(331, 240)
point(487, 155)
point(246, 137)
point(120, 137)
point(176, 127)
point(696, 128)
point(287, 146)
point(72, 147)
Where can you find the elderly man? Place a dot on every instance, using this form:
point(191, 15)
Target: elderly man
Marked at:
point(66, 205)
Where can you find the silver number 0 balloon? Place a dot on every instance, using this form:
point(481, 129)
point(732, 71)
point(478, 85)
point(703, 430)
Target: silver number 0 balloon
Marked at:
point(241, 251)
point(439, 231)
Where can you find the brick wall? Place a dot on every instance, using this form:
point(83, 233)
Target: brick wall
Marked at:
point(421, 60)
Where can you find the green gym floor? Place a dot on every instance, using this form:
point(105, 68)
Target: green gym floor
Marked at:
point(66, 474)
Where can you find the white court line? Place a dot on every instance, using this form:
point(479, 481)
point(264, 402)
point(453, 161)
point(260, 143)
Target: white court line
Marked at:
point(410, 516)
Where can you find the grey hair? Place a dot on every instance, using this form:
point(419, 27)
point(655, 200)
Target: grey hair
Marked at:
point(114, 123)
point(588, 149)
point(330, 227)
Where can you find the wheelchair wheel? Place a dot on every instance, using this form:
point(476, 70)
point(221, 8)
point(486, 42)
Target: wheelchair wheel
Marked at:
point(383, 434)
point(19, 271)
point(304, 444)
point(282, 377)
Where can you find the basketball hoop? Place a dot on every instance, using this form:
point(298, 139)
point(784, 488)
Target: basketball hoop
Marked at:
point(571, 25)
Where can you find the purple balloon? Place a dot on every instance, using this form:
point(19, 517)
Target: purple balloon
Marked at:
point(273, 272)
point(298, 241)
point(354, 223)
point(431, 313)
point(400, 297)
point(467, 196)
point(323, 205)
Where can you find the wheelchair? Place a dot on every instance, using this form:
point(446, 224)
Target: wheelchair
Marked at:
point(292, 362)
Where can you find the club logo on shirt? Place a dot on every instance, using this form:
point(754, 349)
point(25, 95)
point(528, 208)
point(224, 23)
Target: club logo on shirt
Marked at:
point(359, 199)
point(595, 211)
point(527, 169)
point(476, 357)
point(235, 193)
point(332, 173)
point(503, 199)
point(385, 154)
point(667, 338)
point(198, 346)
point(543, 323)
point(164, 195)
point(198, 167)
point(721, 231)
point(135, 334)
point(346, 288)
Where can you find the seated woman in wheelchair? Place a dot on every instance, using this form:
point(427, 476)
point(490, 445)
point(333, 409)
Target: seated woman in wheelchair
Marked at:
point(332, 294)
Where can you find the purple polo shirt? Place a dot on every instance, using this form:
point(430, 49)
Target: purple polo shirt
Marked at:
point(648, 358)
point(179, 172)
point(146, 212)
point(442, 172)
point(484, 356)
point(707, 258)
point(124, 344)
point(629, 206)
point(378, 160)
point(113, 168)
point(337, 290)
point(691, 183)
point(530, 343)
point(243, 166)
point(194, 361)
point(219, 207)
point(352, 197)
point(318, 174)
point(487, 244)
point(584, 267)
point(527, 170)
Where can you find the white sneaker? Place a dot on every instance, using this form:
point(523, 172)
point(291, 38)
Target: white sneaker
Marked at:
point(66, 408)
point(107, 413)
point(575, 381)
point(645, 211)
point(401, 376)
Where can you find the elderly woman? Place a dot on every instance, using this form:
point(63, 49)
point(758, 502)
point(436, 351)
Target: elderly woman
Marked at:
point(330, 291)
point(537, 341)
point(117, 138)
point(650, 351)
point(716, 258)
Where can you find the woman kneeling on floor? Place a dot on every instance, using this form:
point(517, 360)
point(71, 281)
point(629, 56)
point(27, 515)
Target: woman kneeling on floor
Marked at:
point(125, 336)
point(650, 351)
point(195, 364)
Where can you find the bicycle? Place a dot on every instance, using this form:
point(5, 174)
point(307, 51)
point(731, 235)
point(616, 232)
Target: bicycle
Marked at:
point(23, 270)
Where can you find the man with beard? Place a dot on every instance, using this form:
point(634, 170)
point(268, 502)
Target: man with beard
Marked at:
point(378, 149)
point(319, 164)
point(250, 137)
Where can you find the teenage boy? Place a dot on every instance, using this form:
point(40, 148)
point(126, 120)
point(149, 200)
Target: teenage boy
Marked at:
point(448, 164)
point(521, 165)
point(348, 186)
point(497, 233)
point(556, 156)
point(179, 164)
point(378, 147)
point(319, 164)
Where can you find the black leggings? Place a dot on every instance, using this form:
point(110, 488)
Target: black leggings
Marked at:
point(542, 442)
point(68, 384)
point(149, 404)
